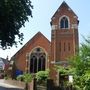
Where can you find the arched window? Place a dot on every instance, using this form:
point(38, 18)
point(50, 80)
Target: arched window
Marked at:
point(64, 23)
point(33, 64)
point(37, 60)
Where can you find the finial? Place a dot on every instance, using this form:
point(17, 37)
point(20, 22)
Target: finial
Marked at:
point(64, 1)
point(7, 57)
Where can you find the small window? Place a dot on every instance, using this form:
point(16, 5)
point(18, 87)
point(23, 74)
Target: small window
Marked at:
point(64, 23)
point(60, 46)
point(68, 46)
point(38, 49)
point(64, 47)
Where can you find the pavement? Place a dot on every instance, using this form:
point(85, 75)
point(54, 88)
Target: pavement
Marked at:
point(7, 86)
point(4, 88)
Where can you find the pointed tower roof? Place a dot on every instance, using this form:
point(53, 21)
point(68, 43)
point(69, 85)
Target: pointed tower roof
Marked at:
point(64, 4)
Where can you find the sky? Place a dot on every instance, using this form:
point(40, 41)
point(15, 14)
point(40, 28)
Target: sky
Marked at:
point(42, 13)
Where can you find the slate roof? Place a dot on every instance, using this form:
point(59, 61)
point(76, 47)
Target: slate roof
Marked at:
point(5, 61)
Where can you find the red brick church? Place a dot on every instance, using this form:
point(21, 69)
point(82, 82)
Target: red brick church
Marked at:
point(40, 54)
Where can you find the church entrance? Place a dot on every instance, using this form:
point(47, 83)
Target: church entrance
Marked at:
point(37, 60)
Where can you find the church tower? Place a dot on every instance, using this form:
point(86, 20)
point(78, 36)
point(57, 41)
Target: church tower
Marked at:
point(64, 35)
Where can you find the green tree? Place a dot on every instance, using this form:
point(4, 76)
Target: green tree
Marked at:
point(64, 73)
point(81, 63)
point(26, 78)
point(79, 67)
point(42, 76)
point(13, 15)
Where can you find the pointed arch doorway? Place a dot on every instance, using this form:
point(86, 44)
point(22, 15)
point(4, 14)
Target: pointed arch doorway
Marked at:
point(37, 60)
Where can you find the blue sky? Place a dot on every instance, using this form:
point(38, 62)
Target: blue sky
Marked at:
point(42, 13)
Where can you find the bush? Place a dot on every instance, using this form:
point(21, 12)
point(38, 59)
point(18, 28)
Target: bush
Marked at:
point(42, 76)
point(25, 77)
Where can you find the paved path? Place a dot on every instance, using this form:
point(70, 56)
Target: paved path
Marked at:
point(5, 86)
